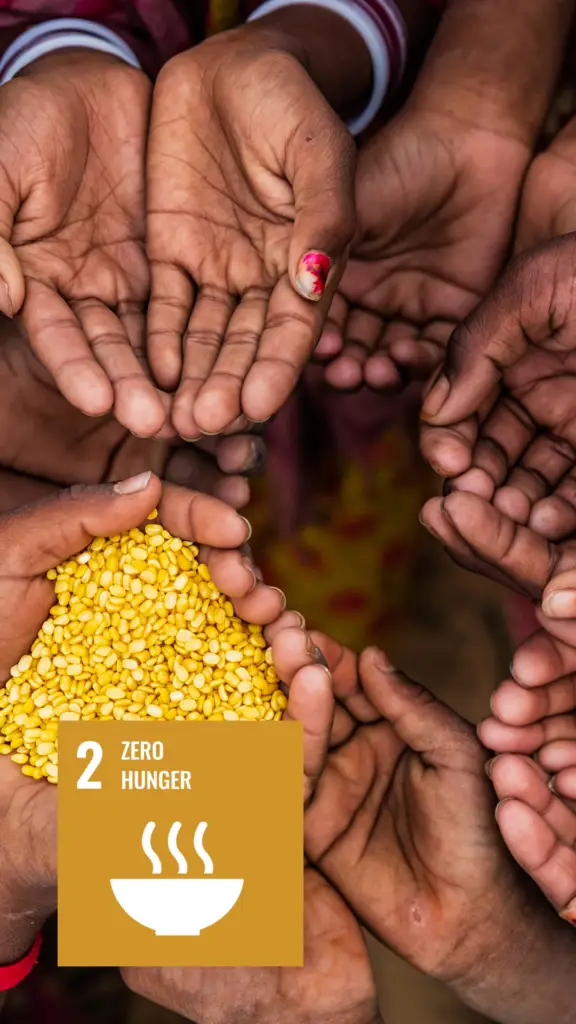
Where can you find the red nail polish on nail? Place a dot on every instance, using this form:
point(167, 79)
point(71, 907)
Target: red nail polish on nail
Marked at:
point(312, 275)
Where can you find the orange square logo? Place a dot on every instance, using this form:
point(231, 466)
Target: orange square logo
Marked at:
point(180, 844)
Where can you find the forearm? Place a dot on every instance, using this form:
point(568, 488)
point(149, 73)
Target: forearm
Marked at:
point(495, 62)
point(342, 71)
point(529, 977)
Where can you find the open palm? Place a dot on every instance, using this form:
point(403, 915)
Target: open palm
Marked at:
point(72, 189)
point(248, 170)
point(436, 201)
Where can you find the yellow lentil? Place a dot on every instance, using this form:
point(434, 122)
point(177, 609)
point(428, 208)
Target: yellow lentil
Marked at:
point(138, 632)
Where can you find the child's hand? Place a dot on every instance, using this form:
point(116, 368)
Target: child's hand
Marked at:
point(72, 152)
point(250, 214)
point(538, 828)
point(336, 982)
point(436, 201)
point(43, 435)
point(500, 416)
point(401, 822)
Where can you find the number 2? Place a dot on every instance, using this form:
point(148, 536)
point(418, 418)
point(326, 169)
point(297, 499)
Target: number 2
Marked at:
point(89, 747)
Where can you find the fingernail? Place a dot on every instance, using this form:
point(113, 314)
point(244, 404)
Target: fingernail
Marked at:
point(569, 915)
point(302, 620)
point(5, 300)
point(191, 440)
point(436, 398)
point(133, 484)
point(257, 460)
point(511, 671)
point(282, 595)
point(489, 765)
point(248, 529)
point(561, 604)
point(250, 568)
point(312, 275)
point(318, 656)
point(500, 805)
point(552, 786)
point(382, 662)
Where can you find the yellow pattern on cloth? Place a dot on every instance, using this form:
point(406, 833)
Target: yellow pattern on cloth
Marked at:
point(224, 14)
point(347, 569)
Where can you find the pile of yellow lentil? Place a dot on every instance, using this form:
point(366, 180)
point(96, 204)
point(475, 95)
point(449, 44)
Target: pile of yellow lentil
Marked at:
point(139, 631)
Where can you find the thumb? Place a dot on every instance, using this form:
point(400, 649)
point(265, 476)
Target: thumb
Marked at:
point(422, 722)
point(12, 286)
point(323, 157)
point(497, 334)
point(38, 537)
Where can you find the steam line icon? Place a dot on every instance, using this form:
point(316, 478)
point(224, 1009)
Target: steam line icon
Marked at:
point(177, 906)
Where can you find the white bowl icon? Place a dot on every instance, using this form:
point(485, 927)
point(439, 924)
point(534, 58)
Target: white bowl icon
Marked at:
point(177, 906)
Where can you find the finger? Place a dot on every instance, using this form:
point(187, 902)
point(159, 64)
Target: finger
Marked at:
point(504, 436)
point(497, 334)
point(516, 777)
point(554, 516)
point(541, 468)
point(287, 620)
point(241, 454)
point(525, 739)
point(363, 330)
point(201, 518)
point(332, 338)
point(171, 301)
point(425, 724)
point(137, 404)
point(419, 353)
point(535, 846)
point(323, 158)
point(287, 341)
point(558, 754)
point(449, 449)
point(202, 342)
point(541, 659)
point(61, 346)
point(191, 468)
point(525, 558)
point(218, 400)
point(292, 650)
point(133, 319)
point(12, 283)
point(311, 702)
point(263, 605)
point(432, 516)
point(38, 537)
point(515, 705)
point(564, 784)
point(559, 597)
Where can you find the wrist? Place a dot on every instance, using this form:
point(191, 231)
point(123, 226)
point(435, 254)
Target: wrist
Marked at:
point(495, 65)
point(69, 60)
point(522, 973)
point(18, 930)
point(342, 72)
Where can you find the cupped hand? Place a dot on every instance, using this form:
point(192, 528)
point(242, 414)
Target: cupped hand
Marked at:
point(538, 828)
point(336, 983)
point(499, 418)
point(35, 539)
point(548, 207)
point(72, 162)
point(44, 436)
point(401, 820)
point(250, 215)
point(436, 199)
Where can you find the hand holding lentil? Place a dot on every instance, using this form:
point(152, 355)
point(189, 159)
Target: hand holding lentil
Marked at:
point(33, 540)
